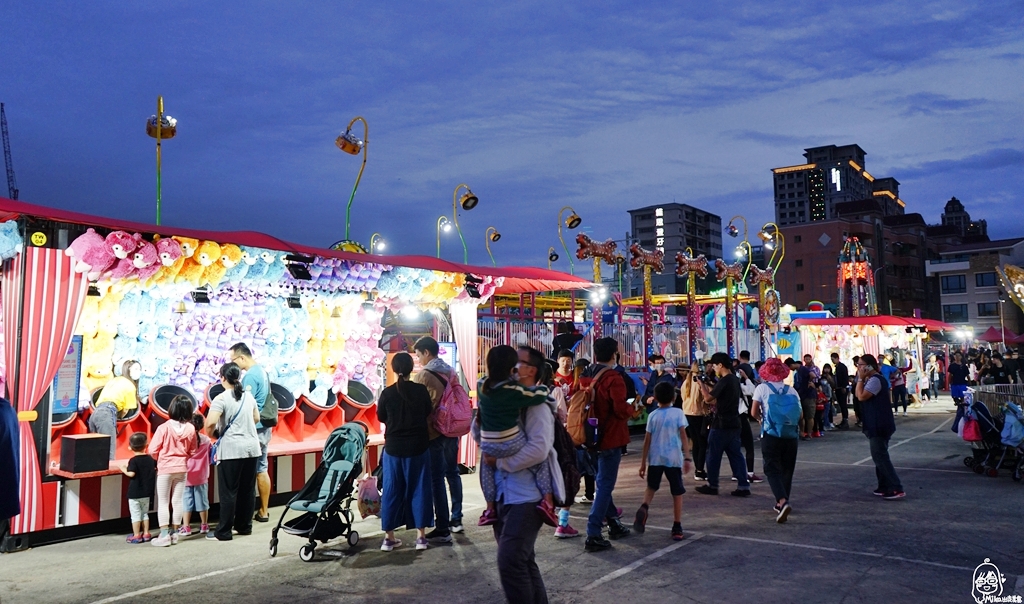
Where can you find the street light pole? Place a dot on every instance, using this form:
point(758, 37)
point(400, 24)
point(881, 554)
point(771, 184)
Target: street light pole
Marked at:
point(1002, 326)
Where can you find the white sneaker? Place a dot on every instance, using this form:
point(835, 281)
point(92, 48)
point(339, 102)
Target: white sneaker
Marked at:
point(456, 527)
point(904, 414)
point(421, 543)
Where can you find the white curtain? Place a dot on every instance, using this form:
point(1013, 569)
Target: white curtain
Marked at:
point(464, 325)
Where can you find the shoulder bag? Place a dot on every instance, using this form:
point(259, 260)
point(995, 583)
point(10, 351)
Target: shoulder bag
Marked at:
point(215, 445)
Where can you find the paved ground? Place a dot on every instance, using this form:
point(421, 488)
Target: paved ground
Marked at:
point(842, 544)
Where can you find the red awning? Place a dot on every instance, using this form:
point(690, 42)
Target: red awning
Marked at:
point(518, 279)
point(880, 320)
point(993, 335)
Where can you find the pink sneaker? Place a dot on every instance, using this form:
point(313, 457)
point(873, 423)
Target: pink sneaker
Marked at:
point(547, 513)
point(488, 518)
point(134, 539)
point(566, 532)
point(146, 537)
point(185, 531)
point(204, 528)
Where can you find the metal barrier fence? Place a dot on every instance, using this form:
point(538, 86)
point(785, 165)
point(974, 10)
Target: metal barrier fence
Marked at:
point(670, 341)
point(994, 395)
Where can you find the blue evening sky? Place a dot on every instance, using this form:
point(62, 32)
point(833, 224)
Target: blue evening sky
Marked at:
point(604, 106)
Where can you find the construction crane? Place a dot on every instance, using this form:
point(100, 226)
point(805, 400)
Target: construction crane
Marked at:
point(12, 183)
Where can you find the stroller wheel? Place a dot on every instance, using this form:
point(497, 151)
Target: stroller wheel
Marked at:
point(969, 461)
point(978, 469)
point(306, 552)
point(992, 472)
point(353, 537)
point(273, 547)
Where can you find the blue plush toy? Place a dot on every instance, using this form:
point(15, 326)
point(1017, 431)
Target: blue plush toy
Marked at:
point(11, 242)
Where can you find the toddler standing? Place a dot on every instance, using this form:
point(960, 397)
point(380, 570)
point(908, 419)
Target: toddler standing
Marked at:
point(141, 470)
point(173, 444)
point(197, 482)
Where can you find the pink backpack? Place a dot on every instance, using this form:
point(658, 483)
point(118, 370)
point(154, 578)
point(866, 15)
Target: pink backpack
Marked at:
point(454, 412)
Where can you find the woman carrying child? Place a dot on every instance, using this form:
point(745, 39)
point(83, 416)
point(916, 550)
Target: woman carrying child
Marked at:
point(173, 443)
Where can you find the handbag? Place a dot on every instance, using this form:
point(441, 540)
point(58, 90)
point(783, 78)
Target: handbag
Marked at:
point(215, 445)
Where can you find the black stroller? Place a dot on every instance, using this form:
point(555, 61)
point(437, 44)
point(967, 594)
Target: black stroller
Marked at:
point(327, 495)
point(986, 454)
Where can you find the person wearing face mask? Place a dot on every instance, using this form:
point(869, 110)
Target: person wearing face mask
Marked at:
point(119, 397)
point(658, 375)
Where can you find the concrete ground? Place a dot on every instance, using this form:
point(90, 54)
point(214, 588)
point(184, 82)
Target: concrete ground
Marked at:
point(841, 544)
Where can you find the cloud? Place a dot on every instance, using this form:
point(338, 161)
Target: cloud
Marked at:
point(994, 159)
point(928, 103)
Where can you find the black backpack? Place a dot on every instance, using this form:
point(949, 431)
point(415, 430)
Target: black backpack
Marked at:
point(565, 450)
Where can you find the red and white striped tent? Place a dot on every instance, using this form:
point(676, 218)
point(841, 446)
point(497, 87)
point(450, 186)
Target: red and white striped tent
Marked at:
point(45, 318)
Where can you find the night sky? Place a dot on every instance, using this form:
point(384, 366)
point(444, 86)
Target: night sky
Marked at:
point(604, 106)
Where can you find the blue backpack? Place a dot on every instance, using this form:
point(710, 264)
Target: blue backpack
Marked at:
point(784, 411)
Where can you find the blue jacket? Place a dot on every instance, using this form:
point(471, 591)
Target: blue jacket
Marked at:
point(653, 381)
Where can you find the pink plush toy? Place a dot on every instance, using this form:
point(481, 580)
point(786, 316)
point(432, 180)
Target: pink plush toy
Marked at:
point(84, 245)
point(125, 266)
point(101, 258)
point(146, 261)
point(171, 259)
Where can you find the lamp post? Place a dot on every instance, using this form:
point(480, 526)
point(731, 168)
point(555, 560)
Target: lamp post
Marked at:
point(377, 243)
point(1002, 327)
point(571, 222)
point(649, 261)
point(161, 127)
point(552, 256)
point(468, 201)
point(588, 248)
point(351, 144)
point(491, 234)
point(443, 224)
point(730, 274)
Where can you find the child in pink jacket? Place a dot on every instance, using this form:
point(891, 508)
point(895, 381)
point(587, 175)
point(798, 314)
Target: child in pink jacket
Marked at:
point(197, 481)
point(173, 444)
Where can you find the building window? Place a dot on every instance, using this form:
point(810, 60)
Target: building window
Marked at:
point(797, 239)
point(645, 230)
point(985, 280)
point(799, 263)
point(954, 284)
point(988, 309)
point(954, 313)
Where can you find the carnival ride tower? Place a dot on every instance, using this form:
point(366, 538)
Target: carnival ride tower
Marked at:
point(856, 281)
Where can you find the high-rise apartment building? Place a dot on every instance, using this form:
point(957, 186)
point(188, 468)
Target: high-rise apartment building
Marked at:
point(672, 228)
point(831, 175)
point(955, 215)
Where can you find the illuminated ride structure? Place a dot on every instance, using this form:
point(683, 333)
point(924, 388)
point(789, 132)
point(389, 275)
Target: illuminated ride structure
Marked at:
point(856, 281)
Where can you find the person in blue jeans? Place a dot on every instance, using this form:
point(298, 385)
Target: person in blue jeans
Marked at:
point(612, 412)
point(444, 450)
point(724, 436)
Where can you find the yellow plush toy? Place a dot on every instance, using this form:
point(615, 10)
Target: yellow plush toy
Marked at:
point(201, 259)
point(230, 255)
point(176, 271)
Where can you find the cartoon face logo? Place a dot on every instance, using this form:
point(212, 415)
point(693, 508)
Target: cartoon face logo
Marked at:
point(988, 582)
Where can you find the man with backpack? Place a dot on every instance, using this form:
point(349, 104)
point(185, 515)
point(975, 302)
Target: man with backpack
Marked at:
point(444, 450)
point(777, 407)
point(603, 419)
point(842, 373)
point(806, 383)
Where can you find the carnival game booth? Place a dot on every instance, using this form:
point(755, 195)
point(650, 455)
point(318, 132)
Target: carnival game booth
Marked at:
point(903, 337)
point(84, 294)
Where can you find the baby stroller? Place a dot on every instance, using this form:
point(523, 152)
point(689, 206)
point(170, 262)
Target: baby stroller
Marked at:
point(985, 452)
point(326, 497)
point(1012, 437)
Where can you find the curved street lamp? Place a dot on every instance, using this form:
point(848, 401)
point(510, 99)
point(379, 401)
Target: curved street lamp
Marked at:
point(351, 144)
point(161, 127)
point(443, 224)
point(377, 243)
point(773, 240)
point(733, 231)
point(552, 256)
point(571, 222)
point(468, 201)
point(491, 234)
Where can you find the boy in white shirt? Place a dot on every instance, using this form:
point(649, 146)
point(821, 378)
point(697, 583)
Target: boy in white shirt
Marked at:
point(666, 451)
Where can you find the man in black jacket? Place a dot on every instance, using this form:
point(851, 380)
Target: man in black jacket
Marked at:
point(842, 374)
